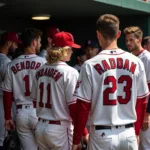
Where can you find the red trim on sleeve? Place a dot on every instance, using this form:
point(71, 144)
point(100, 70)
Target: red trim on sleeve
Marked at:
point(140, 112)
point(82, 113)
point(7, 100)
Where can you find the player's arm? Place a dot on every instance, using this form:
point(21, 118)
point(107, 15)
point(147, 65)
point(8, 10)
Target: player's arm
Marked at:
point(140, 112)
point(33, 94)
point(142, 94)
point(146, 117)
point(7, 102)
point(73, 110)
point(83, 109)
point(84, 96)
point(7, 99)
point(70, 86)
point(146, 121)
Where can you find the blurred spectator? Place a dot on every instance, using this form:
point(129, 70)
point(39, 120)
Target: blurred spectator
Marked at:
point(91, 48)
point(146, 43)
point(81, 58)
point(47, 42)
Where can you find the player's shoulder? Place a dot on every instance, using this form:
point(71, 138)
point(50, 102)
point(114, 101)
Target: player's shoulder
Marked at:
point(134, 59)
point(145, 54)
point(29, 57)
point(3, 57)
point(43, 53)
point(70, 69)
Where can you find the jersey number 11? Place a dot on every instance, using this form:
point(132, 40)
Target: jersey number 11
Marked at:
point(41, 104)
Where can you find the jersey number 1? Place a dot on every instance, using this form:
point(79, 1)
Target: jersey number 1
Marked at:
point(110, 90)
point(41, 104)
point(27, 90)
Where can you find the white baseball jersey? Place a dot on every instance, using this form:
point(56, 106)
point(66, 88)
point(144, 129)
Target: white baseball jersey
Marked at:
point(77, 67)
point(145, 57)
point(53, 89)
point(4, 60)
point(19, 77)
point(112, 81)
point(43, 53)
point(145, 136)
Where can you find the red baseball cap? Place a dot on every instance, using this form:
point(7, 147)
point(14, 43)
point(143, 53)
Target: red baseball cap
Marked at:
point(63, 39)
point(11, 36)
point(52, 31)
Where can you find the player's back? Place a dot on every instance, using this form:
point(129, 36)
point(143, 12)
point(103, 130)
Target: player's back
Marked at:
point(114, 76)
point(56, 84)
point(20, 74)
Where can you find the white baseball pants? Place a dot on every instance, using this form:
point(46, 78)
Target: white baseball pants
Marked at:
point(26, 121)
point(145, 140)
point(54, 136)
point(120, 138)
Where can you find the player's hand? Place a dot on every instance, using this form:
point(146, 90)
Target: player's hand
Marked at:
point(9, 124)
point(76, 147)
point(138, 139)
point(146, 122)
point(86, 138)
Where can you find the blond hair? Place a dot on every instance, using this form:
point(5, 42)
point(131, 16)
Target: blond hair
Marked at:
point(108, 25)
point(135, 30)
point(56, 54)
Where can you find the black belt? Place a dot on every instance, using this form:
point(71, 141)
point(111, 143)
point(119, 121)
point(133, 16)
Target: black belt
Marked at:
point(109, 127)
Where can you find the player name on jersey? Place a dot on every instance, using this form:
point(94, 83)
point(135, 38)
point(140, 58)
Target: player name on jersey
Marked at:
point(25, 65)
point(113, 63)
point(49, 72)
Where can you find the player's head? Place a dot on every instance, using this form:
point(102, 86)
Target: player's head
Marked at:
point(10, 41)
point(47, 40)
point(146, 43)
point(91, 48)
point(133, 37)
point(107, 29)
point(81, 56)
point(50, 33)
point(62, 44)
point(31, 38)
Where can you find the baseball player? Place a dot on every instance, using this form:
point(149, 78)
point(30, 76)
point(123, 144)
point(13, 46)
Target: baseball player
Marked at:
point(91, 48)
point(9, 40)
point(52, 90)
point(48, 41)
point(81, 57)
point(133, 42)
point(146, 43)
point(18, 81)
point(111, 84)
